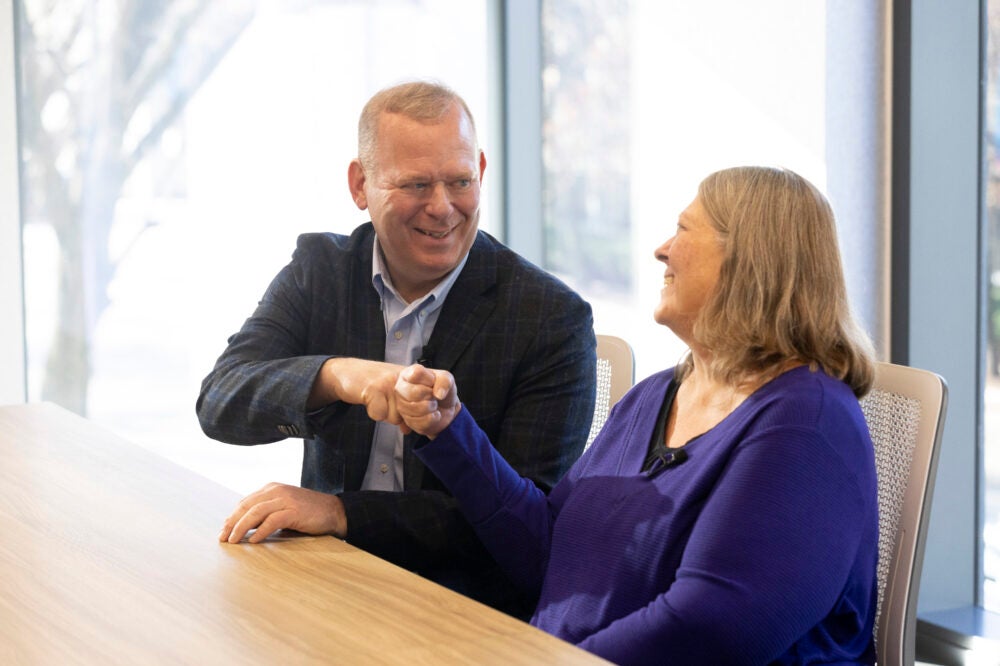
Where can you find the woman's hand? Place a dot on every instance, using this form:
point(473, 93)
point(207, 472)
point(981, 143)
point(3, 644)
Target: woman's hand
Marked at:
point(426, 399)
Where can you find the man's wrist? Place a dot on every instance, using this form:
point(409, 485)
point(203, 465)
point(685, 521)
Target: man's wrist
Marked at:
point(324, 389)
point(339, 518)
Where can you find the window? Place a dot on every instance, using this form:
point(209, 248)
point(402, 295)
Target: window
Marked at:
point(171, 154)
point(641, 99)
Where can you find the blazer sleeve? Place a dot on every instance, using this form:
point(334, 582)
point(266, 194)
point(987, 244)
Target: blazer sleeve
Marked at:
point(258, 389)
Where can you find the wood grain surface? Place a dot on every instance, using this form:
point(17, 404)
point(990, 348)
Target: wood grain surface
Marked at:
point(109, 554)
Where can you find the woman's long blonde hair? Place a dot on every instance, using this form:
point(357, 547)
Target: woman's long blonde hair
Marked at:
point(781, 296)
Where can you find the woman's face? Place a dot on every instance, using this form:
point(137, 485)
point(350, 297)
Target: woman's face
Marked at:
point(693, 260)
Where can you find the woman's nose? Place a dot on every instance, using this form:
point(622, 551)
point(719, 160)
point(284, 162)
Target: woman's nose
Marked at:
point(661, 252)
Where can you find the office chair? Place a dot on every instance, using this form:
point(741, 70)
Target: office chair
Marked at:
point(615, 376)
point(905, 413)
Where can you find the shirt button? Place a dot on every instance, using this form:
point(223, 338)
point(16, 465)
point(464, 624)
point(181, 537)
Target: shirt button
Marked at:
point(399, 335)
point(383, 468)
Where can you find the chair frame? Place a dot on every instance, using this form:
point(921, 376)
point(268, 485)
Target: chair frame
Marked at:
point(619, 354)
point(896, 625)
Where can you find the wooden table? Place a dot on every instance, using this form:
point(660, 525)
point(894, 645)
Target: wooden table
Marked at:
point(109, 554)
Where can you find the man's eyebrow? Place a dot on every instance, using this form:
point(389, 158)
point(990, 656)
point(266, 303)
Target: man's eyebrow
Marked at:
point(458, 174)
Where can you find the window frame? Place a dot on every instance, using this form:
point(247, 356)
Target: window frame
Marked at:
point(13, 360)
point(938, 320)
point(937, 313)
point(522, 124)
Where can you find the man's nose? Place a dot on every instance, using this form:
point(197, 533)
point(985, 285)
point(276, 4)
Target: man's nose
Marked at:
point(439, 200)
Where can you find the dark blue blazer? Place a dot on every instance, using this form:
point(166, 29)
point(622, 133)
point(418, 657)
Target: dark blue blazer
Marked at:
point(519, 342)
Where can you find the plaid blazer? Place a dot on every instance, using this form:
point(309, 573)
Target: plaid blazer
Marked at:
point(519, 342)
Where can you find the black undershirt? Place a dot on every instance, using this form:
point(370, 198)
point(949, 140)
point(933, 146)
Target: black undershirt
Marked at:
point(658, 444)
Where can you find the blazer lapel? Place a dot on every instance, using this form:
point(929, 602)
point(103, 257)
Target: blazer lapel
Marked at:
point(373, 338)
point(469, 304)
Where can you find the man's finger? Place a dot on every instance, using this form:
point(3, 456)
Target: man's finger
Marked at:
point(376, 404)
point(252, 519)
point(271, 524)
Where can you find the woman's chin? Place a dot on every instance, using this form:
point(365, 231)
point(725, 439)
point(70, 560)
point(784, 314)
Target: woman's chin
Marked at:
point(662, 314)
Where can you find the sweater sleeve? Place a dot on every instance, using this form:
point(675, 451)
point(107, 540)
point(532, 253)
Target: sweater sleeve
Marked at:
point(766, 561)
point(510, 514)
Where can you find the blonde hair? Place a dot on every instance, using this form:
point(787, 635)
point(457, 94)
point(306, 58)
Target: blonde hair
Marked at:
point(424, 101)
point(781, 295)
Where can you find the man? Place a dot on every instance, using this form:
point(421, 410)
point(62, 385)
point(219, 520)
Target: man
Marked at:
point(320, 356)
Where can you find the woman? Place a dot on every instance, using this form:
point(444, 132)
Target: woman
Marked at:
point(727, 512)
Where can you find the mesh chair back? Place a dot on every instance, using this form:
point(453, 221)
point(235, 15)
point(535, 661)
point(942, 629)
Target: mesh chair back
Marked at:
point(615, 376)
point(905, 415)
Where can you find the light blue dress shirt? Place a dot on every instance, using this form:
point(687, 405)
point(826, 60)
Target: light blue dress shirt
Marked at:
point(408, 327)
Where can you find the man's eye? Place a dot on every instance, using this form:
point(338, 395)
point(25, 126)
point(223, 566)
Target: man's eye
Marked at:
point(463, 183)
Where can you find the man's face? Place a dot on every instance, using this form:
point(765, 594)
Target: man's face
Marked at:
point(423, 196)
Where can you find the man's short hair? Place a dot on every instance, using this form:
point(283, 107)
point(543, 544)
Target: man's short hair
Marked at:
point(423, 101)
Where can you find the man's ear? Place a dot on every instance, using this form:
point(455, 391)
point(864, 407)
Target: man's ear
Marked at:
point(356, 183)
point(482, 166)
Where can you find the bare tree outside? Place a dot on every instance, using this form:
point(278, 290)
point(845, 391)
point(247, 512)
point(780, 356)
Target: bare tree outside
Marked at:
point(99, 84)
point(585, 137)
point(170, 153)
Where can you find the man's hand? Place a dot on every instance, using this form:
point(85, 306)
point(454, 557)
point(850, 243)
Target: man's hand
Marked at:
point(278, 506)
point(427, 400)
point(359, 382)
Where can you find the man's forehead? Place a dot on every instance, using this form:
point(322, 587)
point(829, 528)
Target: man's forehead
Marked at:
point(412, 171)
point(399, 159)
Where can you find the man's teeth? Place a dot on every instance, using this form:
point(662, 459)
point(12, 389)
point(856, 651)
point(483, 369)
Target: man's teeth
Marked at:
point(440, 234)
point(668, 279)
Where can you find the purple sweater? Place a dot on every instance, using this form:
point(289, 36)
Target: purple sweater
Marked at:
point(761, 547)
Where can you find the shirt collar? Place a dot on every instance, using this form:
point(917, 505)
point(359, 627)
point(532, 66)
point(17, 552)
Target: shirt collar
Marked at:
point(382, 281)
